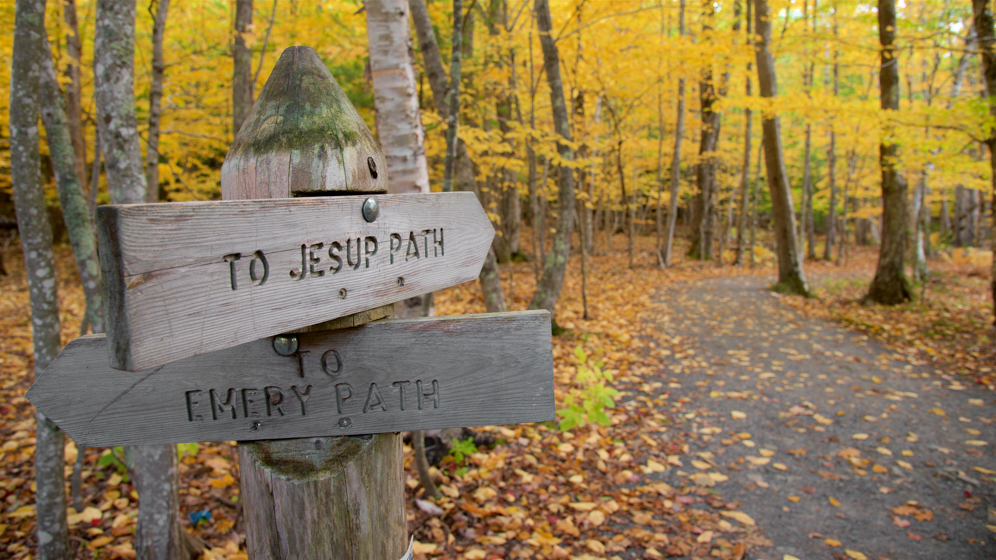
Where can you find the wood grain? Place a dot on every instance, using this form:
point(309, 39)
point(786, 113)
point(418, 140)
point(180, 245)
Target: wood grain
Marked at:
point(338, 497)
point(389, 376)
point(168, 268)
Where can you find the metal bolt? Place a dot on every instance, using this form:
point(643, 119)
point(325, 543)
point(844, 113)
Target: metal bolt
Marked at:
point(342, 293)
point(370, 209)
point(285, 345)
point(401, 280)
point(372, 166)
point(345, 422)
point(255, 425)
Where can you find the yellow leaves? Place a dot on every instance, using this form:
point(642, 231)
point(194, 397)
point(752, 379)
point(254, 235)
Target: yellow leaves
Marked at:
point(976, 443)
point(704, 538)
point(423, 548)
point(223, 482)
point(653, 467)
point(984, 470)
point(582, 506)
point(737, 415)
point(22, 512)
point(937, 411)
point(485, 493)
point(99, 542)
point(832, 542)
point(702, 465)
point(855, 555)
point(766, 453)
point(834, 502)
point(758, 461)
point(794, 499)
point(905, 465)
point(779, 466)
point(884, 451)
point(860, 436)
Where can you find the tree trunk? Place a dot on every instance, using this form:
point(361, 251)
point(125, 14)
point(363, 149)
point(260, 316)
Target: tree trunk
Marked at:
point(242, 86)
point(399, 121)
point(453, 97)
point(791, 277)
point(157, 535)
point(890, 286)
point(494, 295)
point(679, 132)
point(74, 110)
point(702, 230)
point(75, 210)
point(745, 175)
point(39, 262)
point(984, 29)
point(155, 101)
point(831, 212)
point(753, 210)
point(548, 288)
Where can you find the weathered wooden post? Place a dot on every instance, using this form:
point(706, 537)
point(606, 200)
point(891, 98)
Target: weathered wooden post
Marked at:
point(256, 319)
point(320, 497)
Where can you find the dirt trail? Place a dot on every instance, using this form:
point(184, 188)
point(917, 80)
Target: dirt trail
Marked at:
point(905, 451)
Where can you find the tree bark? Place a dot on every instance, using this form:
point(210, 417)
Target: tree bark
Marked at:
point(753, 210)
point(679, 132)
point(74, 110)
point(453, 97)
point(791, 277)
point(890, 286)
point(702, 230)
point(548, 288)
point(983, 17)
point(75, 210)
point(242, 86)
point(155, 101)
point(494, 295)
point(157, 535)
point(114, 63)
point(39, 262)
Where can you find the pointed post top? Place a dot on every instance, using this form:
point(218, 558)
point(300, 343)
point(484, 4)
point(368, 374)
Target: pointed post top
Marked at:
point(302, 137)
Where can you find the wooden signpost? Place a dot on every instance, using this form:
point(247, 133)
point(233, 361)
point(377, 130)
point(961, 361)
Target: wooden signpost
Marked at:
point(257, 318)
point(388, 376)
point(190, 278)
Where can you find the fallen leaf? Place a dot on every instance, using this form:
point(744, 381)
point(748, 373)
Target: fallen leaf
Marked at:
point(834, 502)
point(832, 542)
point(977, 442)
point(855, 555)
point(779, 466)
point(739, 516)
point(737, 415)
point(860, 437)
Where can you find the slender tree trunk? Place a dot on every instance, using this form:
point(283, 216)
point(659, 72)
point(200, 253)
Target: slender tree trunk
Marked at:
point(679, 132)
point(919, 205)
point(790, 272)
point(74, 109)
point(807, 180)
point(155, 101)
point(745, 175)
point(453, 97)
point(158, 532)
point(242, 86)
point(984, 29)
point(39, 262)
point(831, 212)
point(890, 286)
point(422, 464)
point(548, 288)
point(702, 230)
point(753, 210)
point(75, 210)
point(494, 296)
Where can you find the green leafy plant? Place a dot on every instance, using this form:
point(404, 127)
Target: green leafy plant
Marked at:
point(586, 403)
point(186, 448)
point(113, 457)
point(461, 448)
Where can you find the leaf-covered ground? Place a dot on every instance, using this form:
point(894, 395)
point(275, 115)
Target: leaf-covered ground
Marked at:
point(698, 461)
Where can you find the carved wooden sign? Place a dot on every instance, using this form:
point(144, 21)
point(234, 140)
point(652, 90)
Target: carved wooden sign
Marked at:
point(389, 376)
point(184, 279)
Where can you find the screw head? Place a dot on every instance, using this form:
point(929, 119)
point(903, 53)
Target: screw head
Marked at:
point(255, 425)
point(372, 166)
point(342, 293)
point(401, 281)
point(285, 344)
point(345, 422)
point(370, 209)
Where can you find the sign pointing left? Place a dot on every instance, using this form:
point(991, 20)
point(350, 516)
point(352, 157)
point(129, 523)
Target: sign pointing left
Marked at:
point(385, 376)
point(184, 279)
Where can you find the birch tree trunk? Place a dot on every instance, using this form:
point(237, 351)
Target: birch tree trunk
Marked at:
point(984, 30)
point(679, 132)
point(39, 262)
point(155, 101)
point(791, 277)
point(494, 295)
point(157, 535)
point(548, 288)
point(890, 286)
point(242, 86)
point(75, 210)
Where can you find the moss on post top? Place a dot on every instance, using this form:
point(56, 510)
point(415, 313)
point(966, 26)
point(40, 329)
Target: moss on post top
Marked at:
point(302, 136)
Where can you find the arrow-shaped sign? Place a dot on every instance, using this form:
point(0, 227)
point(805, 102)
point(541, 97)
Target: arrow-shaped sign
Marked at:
point(388, 376)
point(184, 279)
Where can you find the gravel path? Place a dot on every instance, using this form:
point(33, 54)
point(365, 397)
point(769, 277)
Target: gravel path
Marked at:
point(825, 436)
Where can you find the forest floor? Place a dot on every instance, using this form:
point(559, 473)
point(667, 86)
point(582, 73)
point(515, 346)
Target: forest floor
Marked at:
point(748, 425)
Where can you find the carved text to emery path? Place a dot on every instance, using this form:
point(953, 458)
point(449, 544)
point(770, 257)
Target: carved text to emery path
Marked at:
point(355, 253)
point(344, 398)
